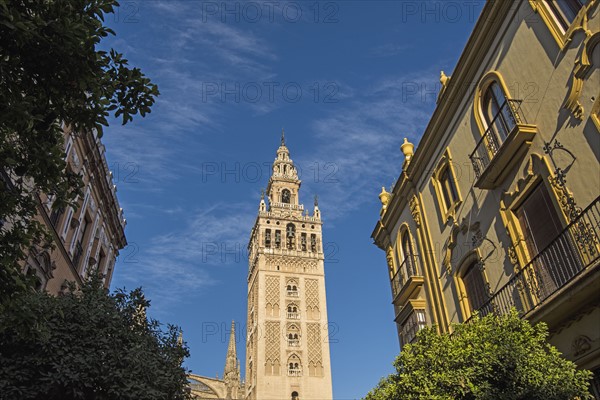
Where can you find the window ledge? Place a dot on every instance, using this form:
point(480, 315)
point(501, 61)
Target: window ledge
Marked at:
point(510, 153)
point(409, 290)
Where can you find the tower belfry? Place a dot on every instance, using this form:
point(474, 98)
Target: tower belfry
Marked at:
point(287, 349)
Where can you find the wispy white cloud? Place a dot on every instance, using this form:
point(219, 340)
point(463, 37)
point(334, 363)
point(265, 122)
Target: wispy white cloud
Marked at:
point(359, 142)
point(182, 261)
point(191, 53)
point(390, 49)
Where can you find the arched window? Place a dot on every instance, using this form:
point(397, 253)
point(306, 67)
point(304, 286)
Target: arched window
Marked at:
point(565, 11)
point(448, 187)
point(293, 335)
point(475, 287)
point(286, 196)
point(295, 395)
point(497, 114)
point(410, 262)
point(292, 311)
point(294, 366)
point(292, 288)
point(444, 181)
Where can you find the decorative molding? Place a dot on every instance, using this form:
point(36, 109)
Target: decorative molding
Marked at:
point(581, 69)
point(464, 228)
point(272, 342)
point(311, 287)
point(290, 264)
point(272, 284)
point(563, 38)
point(315, 352)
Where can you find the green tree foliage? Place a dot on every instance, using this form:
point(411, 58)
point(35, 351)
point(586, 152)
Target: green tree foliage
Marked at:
point(87, 344)
point(53, 73)
point(492, 358)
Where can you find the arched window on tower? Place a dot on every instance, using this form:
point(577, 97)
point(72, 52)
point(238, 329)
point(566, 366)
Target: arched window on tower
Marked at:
point(295, 396)
point(290, 234)
point(292, 311)
point(293, 335)
point(294, 366)
point(286, 196)
point(292, 288)
point(277, 238)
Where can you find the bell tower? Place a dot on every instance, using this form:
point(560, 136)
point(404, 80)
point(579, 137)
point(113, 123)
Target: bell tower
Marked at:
point(287, 348)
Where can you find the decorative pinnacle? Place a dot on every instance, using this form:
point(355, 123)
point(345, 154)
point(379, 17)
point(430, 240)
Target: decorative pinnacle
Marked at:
point(262, 194)
point(282, 137)
point(316, 200)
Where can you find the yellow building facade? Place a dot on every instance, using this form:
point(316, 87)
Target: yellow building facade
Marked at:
point(499, 206)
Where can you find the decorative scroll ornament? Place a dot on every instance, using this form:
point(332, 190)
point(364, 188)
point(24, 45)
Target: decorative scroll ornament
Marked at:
point(559, 180)
point(415, 210)
point(465, 227)
point(582, 63)
point(512, 255)
point(389, 255)
point(581, 345)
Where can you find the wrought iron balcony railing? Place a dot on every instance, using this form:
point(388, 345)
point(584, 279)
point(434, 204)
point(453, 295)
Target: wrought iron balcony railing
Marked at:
point(55, 216)
point(410, 327)
point(500, 128)
point(409, 268)
point(293, 315)
point(77, 255)
point(576, 248)
point(294, 372)
point(293, 293)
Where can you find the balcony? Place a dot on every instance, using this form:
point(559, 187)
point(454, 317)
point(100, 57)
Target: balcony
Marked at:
point(413, 324)
point(407, 280)
point(293, 315)
point(502, 145)
point(289, 206)
point(294, 342)
point(293, 293)
point(576, 249)
point(294, 372)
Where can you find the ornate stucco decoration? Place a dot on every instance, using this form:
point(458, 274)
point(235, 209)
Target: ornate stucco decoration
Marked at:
point(581, 345)
point(464, 228)
point(389, 256)
point(415, 210)
point(582, 67)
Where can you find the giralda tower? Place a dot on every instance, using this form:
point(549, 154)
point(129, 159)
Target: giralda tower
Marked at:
point(287, 348)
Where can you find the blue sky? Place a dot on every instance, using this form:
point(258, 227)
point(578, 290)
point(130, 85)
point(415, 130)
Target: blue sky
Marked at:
point(348, 80)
